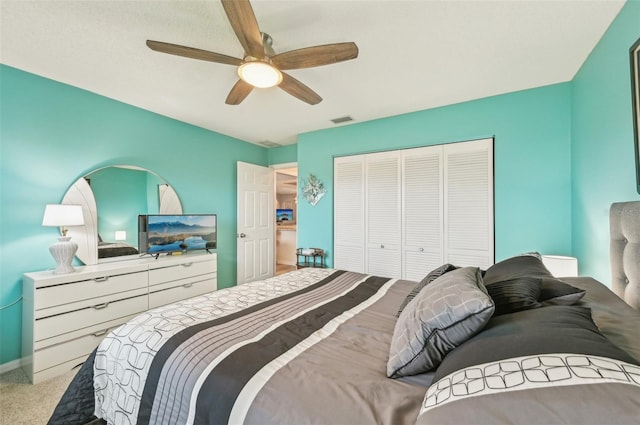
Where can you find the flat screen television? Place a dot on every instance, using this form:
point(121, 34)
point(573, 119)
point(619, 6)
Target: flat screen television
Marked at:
point(284, 215)
point(163, 233)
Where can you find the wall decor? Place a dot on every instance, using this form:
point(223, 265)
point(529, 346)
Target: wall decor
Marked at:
point(313, 189)
point(634, 57)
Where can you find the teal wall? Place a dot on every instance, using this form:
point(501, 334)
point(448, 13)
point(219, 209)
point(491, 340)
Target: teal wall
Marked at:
point(283, 154)
point(602, 155)
point(52, 134)
point(532, 163)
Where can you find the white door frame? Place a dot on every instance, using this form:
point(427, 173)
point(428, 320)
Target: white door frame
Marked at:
point(275, 229)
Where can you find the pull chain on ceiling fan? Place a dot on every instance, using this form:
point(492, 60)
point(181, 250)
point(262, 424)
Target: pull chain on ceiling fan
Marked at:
point(261, 67)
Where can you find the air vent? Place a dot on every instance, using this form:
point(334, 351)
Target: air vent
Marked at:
point(342, 119)
point(268, 144)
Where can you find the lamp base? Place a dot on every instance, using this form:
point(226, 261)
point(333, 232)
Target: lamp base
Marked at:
point(63, 252)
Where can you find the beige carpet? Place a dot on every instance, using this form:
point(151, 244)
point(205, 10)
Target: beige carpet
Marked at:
point(24, 404)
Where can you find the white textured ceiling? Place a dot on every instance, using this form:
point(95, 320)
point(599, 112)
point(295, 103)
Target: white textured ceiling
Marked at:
point(414, 55)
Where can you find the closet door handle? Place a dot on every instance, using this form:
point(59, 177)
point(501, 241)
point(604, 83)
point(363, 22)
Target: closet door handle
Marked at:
point(382, 246)
point(187, 264)
point(187, 285)
point(421, 249)
point(100, 333)
point(101, 306)
point(101, 279)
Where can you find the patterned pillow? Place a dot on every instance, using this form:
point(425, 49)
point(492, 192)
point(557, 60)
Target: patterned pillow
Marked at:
point(446, 313)
point(433, 275)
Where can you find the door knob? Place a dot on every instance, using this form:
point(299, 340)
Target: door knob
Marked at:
point(242, 235)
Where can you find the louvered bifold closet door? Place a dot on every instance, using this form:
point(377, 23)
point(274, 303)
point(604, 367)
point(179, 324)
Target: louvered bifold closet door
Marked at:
point(468, 203)
point(348, 213)
point(383, 214)
point(422, 211)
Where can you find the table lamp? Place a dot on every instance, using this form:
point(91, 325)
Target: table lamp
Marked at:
point(63, 216)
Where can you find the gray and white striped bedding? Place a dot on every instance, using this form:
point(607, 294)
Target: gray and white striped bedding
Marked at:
point(232, 356)
point(311, 346)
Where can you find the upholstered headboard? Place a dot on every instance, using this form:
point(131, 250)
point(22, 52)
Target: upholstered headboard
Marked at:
point(624, 219)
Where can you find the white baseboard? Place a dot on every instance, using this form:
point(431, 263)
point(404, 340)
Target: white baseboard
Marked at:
point(9, 366)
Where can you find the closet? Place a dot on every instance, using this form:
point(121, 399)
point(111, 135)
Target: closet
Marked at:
point(403, 213)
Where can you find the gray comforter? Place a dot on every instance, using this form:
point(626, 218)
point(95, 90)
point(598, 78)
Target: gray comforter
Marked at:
point(312, 346)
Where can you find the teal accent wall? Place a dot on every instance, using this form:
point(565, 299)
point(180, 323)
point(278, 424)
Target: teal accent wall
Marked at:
point(283, 154)
point(532, 163)
point(602, 154)
point(52, 134)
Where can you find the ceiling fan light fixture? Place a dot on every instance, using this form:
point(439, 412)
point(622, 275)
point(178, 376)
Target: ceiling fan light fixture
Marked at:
point(260, 74)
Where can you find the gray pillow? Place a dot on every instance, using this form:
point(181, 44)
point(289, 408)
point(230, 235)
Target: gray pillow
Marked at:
point(433, 275)
point(442, 316)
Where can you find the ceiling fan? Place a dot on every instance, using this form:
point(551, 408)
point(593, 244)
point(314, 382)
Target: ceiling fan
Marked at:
point(261, 66)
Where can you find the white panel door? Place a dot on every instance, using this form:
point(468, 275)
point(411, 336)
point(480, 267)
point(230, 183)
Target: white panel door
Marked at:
point(348, 213)
point(468, 201)
point(255, 229)
point(383, 214)
point(422, 249)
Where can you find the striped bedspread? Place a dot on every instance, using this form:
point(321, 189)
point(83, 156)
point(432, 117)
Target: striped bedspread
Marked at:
point(259, 353)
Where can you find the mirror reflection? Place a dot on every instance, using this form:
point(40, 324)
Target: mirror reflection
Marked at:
point(112, 198)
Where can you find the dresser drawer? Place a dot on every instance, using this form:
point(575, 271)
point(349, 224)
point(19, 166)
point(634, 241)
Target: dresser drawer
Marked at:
point(192, 288)
point(57, 354)
point(68, 293)
point(63, 323)
point(196, 267)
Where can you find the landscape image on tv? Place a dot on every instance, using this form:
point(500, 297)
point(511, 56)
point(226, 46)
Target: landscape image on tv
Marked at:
point(171, 233)
point(284, 214)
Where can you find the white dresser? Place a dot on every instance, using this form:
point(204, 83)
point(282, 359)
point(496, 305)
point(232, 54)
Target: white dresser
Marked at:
point(64, 317)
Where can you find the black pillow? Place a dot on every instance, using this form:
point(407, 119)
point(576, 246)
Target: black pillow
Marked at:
point(514, 295)
point(553, 291)
point(557, 292)
point(514, 267)
point(433, 275)
point(548, 330)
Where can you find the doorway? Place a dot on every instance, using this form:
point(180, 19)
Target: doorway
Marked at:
point(286, 203)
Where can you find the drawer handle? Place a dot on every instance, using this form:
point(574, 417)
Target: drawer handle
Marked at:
point(100, 333)
point(101, 279)
point(187, 285)
point(101, 306)
point(187, 264)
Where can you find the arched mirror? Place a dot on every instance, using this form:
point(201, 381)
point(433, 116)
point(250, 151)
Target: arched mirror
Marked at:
point(112, 198)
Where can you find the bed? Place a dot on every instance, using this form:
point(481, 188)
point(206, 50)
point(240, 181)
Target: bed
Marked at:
point(510, 344)
point(115, 249)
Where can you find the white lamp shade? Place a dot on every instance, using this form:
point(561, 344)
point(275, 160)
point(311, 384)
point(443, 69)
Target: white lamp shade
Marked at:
point(121, 235)
point(560, 265)
point(57, 215)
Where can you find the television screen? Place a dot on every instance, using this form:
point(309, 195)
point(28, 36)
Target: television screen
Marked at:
point(284, 215)
point(171, 233)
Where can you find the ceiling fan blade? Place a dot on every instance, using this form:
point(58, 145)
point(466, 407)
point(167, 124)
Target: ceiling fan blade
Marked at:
point(238, 93)
point(244, 24)
point(315, 56)
point(190, 52)
point(297, 89)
